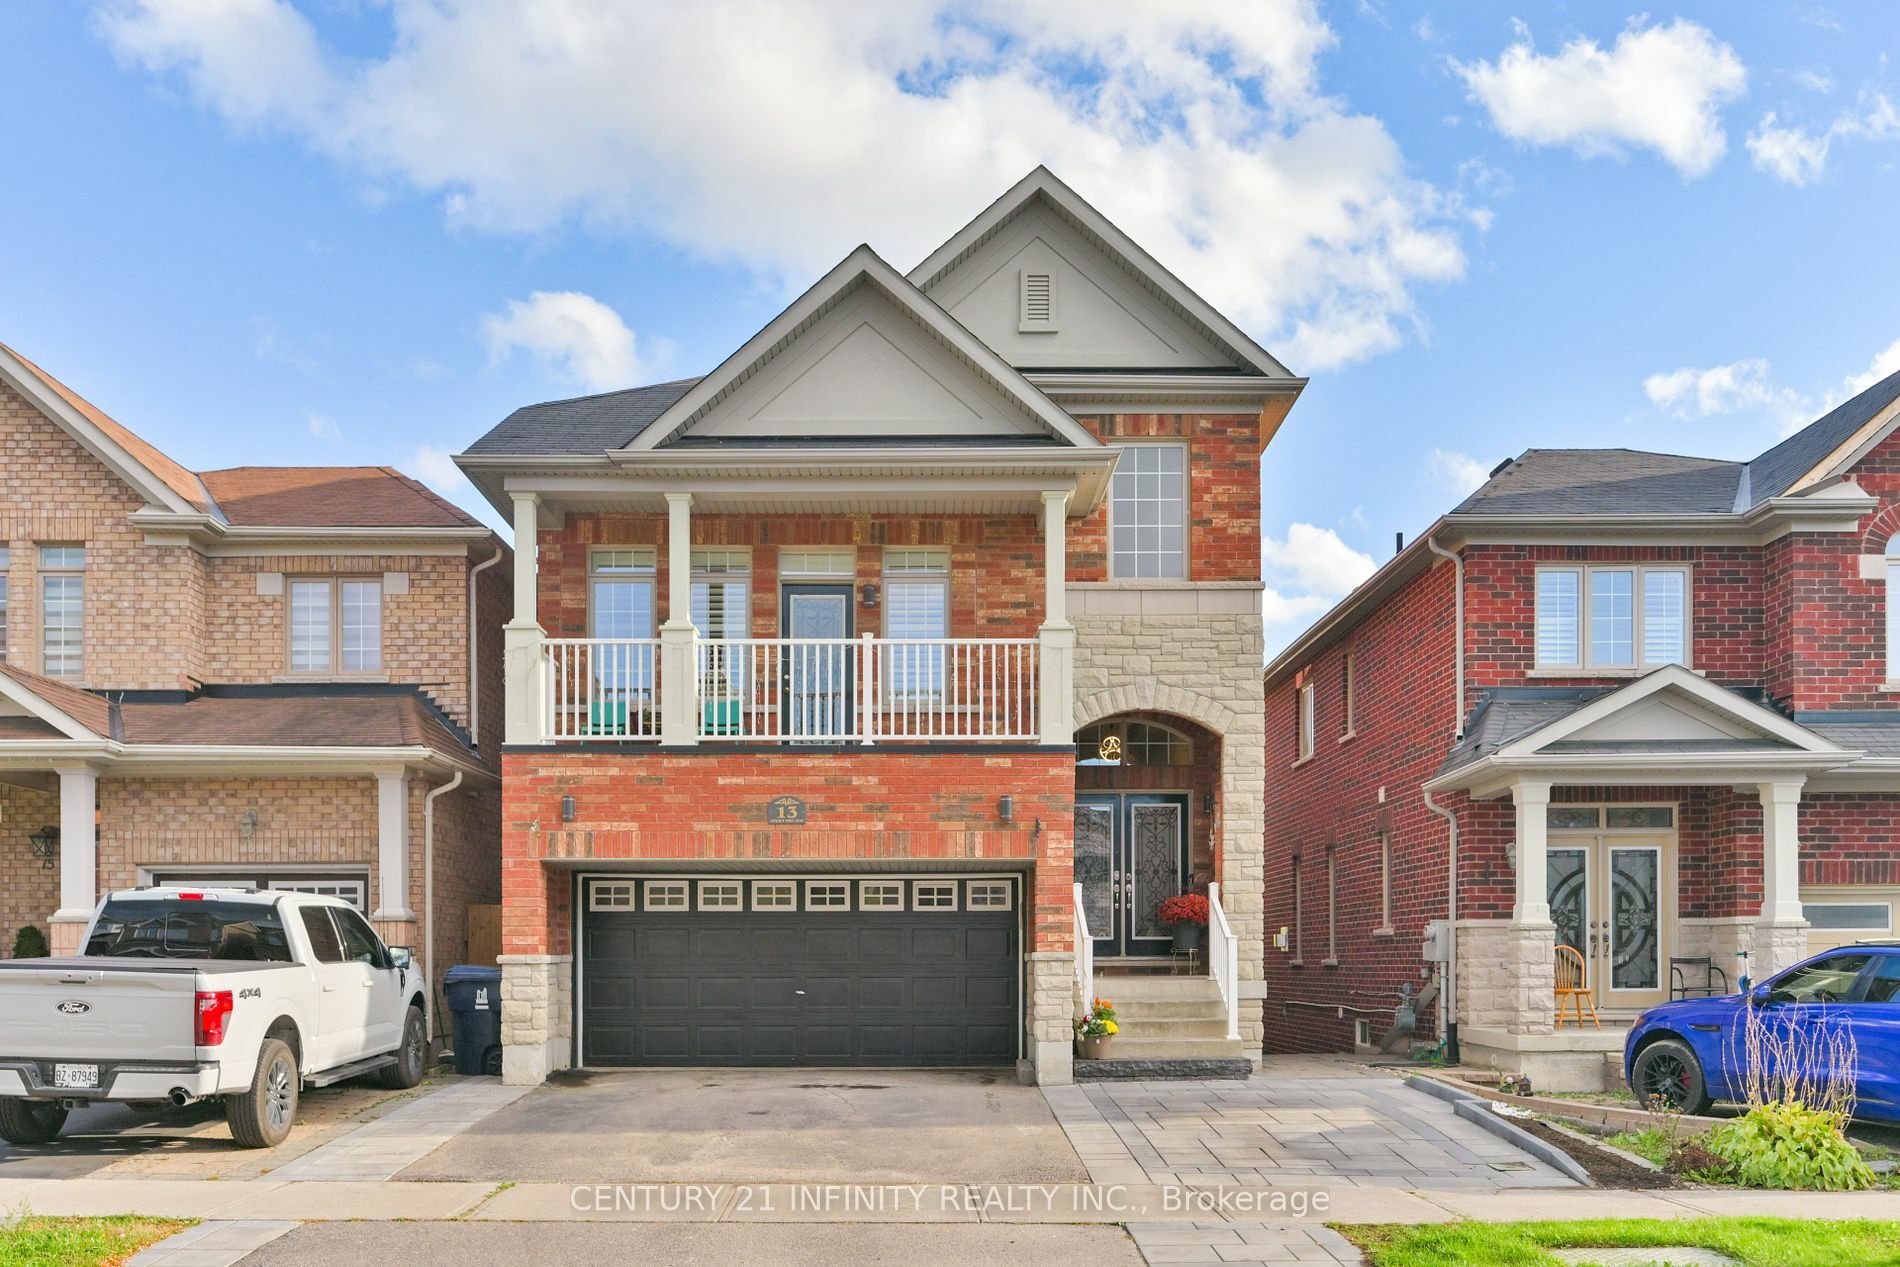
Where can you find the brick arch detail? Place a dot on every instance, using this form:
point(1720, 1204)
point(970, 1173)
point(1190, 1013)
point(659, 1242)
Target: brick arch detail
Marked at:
point(1881, 529)
point(1149, 696)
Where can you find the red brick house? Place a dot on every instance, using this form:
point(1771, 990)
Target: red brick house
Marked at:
point(803, 650)
point(271, 676)
point(1649, 704)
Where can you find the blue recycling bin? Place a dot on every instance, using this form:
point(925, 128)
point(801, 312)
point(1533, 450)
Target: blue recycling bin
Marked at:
point(475, 1007)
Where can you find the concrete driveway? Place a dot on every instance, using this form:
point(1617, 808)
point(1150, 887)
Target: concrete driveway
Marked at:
point(766, 1126)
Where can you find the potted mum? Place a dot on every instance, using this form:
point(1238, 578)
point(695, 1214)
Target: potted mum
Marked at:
point(1095, 1030)
point(1186, 913)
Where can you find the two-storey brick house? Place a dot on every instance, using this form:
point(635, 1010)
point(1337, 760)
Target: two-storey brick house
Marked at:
point(1644, 707)
point(270, 676)
point(803, 649)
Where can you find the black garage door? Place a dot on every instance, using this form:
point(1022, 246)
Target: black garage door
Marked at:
point(782, 971)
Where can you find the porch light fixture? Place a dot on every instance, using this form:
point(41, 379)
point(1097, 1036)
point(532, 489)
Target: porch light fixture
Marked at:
point(1510, 854)
point(45, 844)
point(567, 809)
point(1207, 802)
point(247, 823)
point(1006, 808)
point(867, 595)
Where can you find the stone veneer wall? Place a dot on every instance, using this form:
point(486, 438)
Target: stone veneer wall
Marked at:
point(1507, 976)
point(1202, 665)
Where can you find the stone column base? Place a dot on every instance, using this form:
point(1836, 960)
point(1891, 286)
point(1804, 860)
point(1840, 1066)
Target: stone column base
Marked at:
point(64, 931)
point(537, 1017)
point(1507, 976)
point(1050, 1027)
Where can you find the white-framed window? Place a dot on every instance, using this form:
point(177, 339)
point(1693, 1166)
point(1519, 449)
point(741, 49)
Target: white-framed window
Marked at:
point(1303, 722)
point(1893, 609)
point(933, 895)
point(62, 610)
point(880, 895)
point(988, 895)
point(1147, 513)
point(721, 584)
point(1622, 616)
point(336, 624)
point(827, 895)
point(720, 895)
point(1848, 917)
point(664, 895)
point(611, 895)
point(916, 605)
point(831, 565)
point(620, 593)
point(775, 895)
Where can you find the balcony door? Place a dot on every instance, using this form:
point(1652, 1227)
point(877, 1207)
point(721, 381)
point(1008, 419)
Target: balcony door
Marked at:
point(815, 669)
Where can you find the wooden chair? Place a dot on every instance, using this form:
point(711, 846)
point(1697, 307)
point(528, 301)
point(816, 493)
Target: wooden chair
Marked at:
point(1573, 987)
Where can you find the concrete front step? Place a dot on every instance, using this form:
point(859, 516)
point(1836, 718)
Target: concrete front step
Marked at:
point(1158, 1009)
point(1137, 1048)
point(1171, 1026)
point(1155, 987)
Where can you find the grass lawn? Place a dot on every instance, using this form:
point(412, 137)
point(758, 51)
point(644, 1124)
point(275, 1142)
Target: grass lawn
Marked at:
point(38, 1241)
point(1757, 1242)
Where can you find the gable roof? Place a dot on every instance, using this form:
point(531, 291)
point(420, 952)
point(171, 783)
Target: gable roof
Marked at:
point(1606, 482)
point(862, 268)
point(584, 424)
point(1803, 453)
point(1041, 187)
point(330, 497)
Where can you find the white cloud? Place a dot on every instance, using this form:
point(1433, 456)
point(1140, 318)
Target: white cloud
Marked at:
point(1459, 472)
point(1799, 155)
point(777, 137)
point(1885, 362)
point(1306, 571)
point(322, 428)
point(1692, 392)
point(435, 467)
point(1658, 87)
point(575, 335)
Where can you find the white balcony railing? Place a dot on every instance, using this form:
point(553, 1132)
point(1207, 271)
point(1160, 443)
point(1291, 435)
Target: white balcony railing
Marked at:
point(602, 688)
point(1084, 957)
point(1223, 959)
point(861, 690)
point(799, 690)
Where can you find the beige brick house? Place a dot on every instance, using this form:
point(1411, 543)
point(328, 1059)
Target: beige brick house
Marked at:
point(268, 676)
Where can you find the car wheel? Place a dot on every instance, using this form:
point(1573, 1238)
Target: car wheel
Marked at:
point(262, 1116)
point(30, 1121)
point(412, 1057)
point(1667, 1072)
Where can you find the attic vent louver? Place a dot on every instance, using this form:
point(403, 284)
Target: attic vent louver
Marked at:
point(1037, 314)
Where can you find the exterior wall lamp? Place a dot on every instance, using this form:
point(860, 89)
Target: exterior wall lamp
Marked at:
point(568, 809)
point(1006, 808)
point(45, 844)
point(247, 823)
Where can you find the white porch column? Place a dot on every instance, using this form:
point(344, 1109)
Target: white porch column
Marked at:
point(679, 654)
point(1056, 687)
point(1781, 851)
point(78, 854)
point(392, 846)
point(1533, 891)
point(522, 636)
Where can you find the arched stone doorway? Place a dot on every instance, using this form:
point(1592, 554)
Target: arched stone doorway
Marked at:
point(1147, 819)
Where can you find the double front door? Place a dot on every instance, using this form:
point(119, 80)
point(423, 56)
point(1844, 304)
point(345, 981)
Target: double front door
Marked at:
point(1613, 899)
point(1130, 856)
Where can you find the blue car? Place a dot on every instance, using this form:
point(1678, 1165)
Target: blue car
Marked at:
point(1687, 1054)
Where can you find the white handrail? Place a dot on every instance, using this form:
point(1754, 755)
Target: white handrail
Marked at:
point(1223, 958)
point(1084, 953)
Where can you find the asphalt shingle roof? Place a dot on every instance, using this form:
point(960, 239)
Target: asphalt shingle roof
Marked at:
point(585, 424)
point(1775, 471)
point(1606, 482)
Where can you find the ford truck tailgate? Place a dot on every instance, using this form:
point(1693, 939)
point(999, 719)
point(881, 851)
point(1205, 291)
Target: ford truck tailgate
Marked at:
point(82, 1008)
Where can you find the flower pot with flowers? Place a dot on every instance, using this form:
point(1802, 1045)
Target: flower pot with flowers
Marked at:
point(1095, 1030)
point(1186, 913)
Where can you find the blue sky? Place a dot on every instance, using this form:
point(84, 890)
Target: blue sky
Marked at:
point(347, 231)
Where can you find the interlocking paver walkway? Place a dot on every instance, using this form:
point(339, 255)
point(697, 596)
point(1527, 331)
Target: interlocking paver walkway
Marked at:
point(1241, 1243)
point(380, 1149)
point(1341, 1127)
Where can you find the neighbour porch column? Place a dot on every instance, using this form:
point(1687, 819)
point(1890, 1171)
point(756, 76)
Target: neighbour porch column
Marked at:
point(679, 654)
point(1781, 935)
point(392, 846)
point(1056, 687)
point(522, 635)
point(78, 855)
point(1532, 904)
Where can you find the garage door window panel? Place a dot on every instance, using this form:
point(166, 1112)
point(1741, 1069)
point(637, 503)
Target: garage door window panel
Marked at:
point(722, 896)
point(828, 895)
point(774, 895)
point(881, 895)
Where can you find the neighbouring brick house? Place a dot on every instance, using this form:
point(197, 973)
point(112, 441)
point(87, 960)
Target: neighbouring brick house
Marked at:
point(1659, 699)
point(835, 674)
point(255, 675)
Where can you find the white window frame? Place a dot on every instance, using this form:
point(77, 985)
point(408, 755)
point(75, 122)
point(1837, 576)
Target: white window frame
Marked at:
point(838, 888)
point(919, 887)
point(724, 566)
point(610, 895)
point(818, 564)
point(1130, 447)
point(333, 666)
point(711, 895)
point(1303, 723)
point(775, 895)
point(884, 888)
point(1585, 663)
point(666, 895)
point(65, 571)
point(927, 568)
point(1893, 611)
point(640, 569)
point(978, 895)
point(1884, 903)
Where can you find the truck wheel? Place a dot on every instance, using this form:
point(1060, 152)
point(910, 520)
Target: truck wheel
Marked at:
point(30, 1121)
point(262, 1116)
point(412, 1057)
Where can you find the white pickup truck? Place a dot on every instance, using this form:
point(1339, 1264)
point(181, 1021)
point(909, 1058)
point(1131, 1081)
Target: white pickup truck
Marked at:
point(187, 994)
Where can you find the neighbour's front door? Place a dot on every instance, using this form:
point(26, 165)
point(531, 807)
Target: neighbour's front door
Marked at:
point(1130, 856)
point(1612, 898)
point(815, 669)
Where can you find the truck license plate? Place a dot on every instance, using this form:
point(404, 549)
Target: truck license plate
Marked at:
point(79, 1077)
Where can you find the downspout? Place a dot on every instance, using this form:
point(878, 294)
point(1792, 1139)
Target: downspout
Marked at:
point(1451, 819)
point(474, 644)
point(428, 890)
